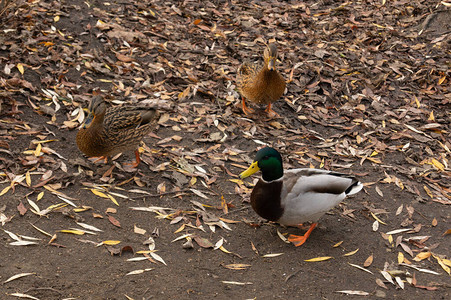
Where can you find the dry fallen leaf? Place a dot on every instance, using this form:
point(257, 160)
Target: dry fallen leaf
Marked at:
point(237, 266)
point(434, 222)
point(368, 261)
point(350, 292)
point(17, 276)
point(21, 208)
point(136, 272)
point(236, 282)
point(114, 221)
point(138, 230)
point(272, 255)
point(351, 253)
point(77, 232)
point(337, 244)
point(321, 258)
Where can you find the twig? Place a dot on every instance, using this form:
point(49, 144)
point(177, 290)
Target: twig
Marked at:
point(158, 195)
point(4, 6)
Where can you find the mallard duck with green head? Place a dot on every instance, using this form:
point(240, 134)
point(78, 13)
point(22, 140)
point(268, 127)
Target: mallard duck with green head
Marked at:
point(292, 197)
point(109, 131)
point(261, 84)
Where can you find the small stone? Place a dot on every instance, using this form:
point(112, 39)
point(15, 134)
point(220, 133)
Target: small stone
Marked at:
point(380, 294)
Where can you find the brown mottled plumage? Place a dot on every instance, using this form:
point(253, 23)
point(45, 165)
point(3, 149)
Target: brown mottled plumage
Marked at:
point(107, 132)
point(261, 84)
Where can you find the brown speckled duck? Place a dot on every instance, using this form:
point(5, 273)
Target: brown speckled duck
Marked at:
point(261, 84)
point(295, 196)
point(107, 132)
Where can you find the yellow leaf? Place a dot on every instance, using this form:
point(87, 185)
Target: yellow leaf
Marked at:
point(237, 181)
point(38, 150)
point(56, 19)
point(390, 239)
point(180, 228)
point(99, 193)
point(422, 255)
point(28, 178)
point(447, 262)
point(428, 191)
point(437, 164)
point(400, 257)
point(113, 199)
point(440, 81)
point(351, 253)
point(111, 243)
point(443, 265)
point(417, 102)
point(5, 190)
point(321, 258)
point(41, 231)
point(374, 153)
point(374, 160)
point(434, 222)
point(40, 195)
point(379, 26)
point(368, 261)
point(145, 251)
point(55, 206)
point(337, 244)
point(77, 232)
point(82, 209)
point(184, 94)
point(224, 250)
point(377, 219)
point(20, 68)
point(431, 116)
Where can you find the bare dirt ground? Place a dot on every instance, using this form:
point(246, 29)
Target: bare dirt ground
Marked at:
point(368, 94)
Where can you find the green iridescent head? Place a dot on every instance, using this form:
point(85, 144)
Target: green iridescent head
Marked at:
point(269, 161)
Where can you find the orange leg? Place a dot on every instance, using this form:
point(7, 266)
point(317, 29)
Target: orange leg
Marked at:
point(246, 109)
point(270, 112)
point(298, 240)
point(136, 162)
point(96, 159)
point(137, 159)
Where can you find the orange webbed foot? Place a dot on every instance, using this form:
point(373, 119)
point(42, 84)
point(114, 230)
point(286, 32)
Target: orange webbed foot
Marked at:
point(298, 240)
point(246, 109)
point(135, 164)
point(271, 113)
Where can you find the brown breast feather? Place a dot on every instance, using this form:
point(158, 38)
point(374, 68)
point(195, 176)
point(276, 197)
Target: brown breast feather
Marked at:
point(265, 200)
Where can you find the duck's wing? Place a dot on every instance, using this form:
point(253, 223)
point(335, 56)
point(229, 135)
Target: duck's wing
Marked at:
point(321, 182)
point(309, 193)
point(246, 75)
point(128, 118)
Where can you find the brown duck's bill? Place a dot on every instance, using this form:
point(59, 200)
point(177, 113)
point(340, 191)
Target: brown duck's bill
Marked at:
point(88, 120)
point(272, 63)
point(251, 170)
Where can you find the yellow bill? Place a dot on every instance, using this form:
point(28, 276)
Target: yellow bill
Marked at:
point(251, 170)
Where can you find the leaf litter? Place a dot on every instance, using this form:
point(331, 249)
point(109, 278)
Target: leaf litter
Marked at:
point(367, 94)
